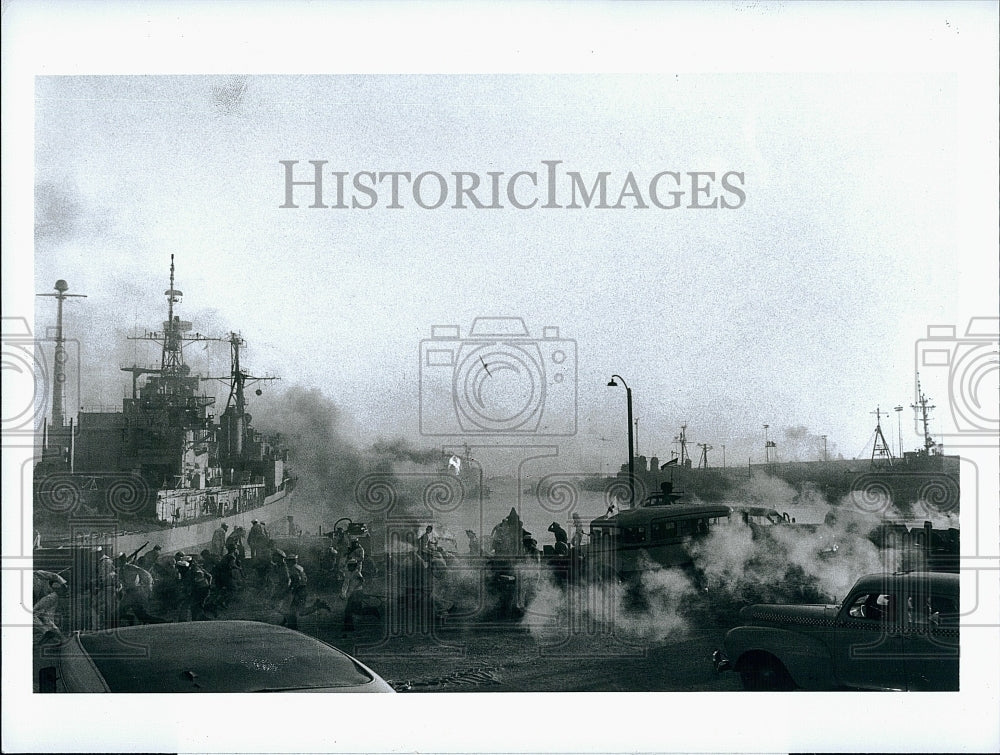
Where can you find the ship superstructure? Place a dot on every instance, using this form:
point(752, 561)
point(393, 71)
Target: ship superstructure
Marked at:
point(164, 450)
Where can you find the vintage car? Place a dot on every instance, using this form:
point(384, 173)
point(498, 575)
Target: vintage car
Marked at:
point(200, 656)
point(894, 631)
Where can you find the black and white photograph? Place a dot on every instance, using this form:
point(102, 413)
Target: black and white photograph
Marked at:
point(487, 354)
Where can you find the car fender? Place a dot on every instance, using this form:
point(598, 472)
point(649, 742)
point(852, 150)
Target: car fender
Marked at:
point(807, 659)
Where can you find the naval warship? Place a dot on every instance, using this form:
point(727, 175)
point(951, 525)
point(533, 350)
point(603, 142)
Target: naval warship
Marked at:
point(163, 469)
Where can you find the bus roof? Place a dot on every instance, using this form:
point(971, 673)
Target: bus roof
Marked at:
point(633, 517)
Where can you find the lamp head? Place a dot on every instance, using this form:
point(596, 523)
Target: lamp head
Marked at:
point(612, 383)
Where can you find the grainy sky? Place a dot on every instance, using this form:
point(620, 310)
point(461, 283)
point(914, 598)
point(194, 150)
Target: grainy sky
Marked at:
point(798, 309)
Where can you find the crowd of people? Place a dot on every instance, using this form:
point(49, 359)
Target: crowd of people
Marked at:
point(239, 570)
point(156, 587)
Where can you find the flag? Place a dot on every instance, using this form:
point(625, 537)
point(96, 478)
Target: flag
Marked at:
point(454, 463)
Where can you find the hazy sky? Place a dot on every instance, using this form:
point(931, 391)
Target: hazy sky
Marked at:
point(798, 308)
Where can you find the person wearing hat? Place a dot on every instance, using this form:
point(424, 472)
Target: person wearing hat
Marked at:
point(228, 576)
point(256, 540)
point(297, 592)
point(219, 540)
point(147, 560)
point(474, 548)
point(577, 531)
point(562, 539)
point(105, 591)
point(352, 591)
point(426, 543)
point(236, 538)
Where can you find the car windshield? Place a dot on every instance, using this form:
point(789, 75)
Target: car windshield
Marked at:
point(218, 657)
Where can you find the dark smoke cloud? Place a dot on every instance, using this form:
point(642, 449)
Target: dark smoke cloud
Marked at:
point(400, 450)
point(311, 428)
point(798, 443)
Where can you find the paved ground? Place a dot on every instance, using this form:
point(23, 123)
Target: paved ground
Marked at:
point(517, 656)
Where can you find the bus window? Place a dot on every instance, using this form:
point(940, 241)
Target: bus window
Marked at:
point(634, 535)
point(685, 527)
point(663, 529)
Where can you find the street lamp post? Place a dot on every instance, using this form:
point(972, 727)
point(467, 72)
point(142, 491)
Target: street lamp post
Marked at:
point(631, 447)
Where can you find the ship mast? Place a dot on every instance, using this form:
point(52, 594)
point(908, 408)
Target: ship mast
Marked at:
point(922, 405)
point(59, 373)
point(681, 439)
point(172, 340)
point(173, 355)
point(235, 420)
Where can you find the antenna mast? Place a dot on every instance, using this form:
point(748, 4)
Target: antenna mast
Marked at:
point(682, 440)
point(59, 373)
point(880, 449)
point(922, 405)
point(705, 448)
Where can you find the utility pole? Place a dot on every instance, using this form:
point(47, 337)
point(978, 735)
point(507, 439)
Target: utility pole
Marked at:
point(723, 455)
point(825, 457)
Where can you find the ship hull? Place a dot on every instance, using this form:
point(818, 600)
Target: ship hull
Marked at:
point(191, 537)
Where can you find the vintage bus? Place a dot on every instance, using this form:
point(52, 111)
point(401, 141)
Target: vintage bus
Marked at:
point(657, 533)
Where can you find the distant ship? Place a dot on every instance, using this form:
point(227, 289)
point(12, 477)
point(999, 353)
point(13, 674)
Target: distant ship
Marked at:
point(162, 470)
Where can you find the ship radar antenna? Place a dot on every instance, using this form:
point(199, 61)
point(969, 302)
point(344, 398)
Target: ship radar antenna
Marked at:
point(59, 372)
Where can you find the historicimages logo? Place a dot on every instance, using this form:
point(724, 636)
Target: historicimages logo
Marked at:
point(963, 371)
point(497, 381)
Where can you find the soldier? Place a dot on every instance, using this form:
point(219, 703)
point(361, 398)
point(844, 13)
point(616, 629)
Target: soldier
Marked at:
point(329, 558)
point(577, 531)
point(48, 589)
point(147, 560)
point(195, 587)
point(562, 540)
point(277, 574)
point(356, 552)
point(256, 540)
point(137, 587)
point(352, 592)
point(474, 549)
point(236, 540)
point(105, 591)
point(297, 593)
point(219, 540)
point(228, 576)
point(425, 544)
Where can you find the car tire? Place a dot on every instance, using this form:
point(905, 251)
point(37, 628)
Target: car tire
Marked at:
point(766, 674)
